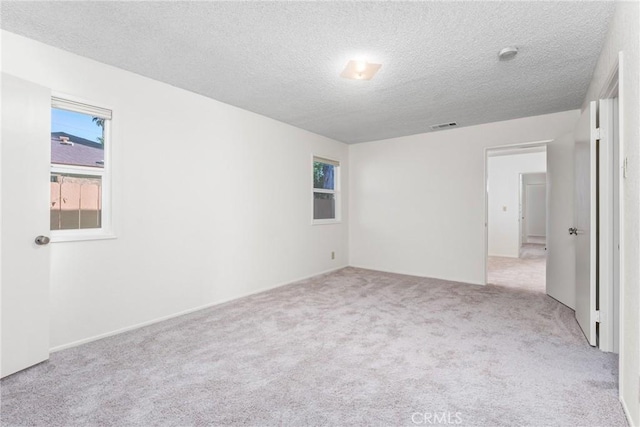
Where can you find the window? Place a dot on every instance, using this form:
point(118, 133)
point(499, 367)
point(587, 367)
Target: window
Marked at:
point(326, 185)
point(79, 204)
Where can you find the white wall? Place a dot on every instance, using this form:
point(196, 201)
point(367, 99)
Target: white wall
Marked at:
point(213, 202)
point(503, 174)
point(417, 202)
point(624, 35)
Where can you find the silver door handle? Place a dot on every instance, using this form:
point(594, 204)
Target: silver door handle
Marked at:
point(573, 230)
point(42, 240)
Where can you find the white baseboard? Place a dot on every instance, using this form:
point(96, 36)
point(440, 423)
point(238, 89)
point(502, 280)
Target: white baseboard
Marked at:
point(504, 255)
point(627, 413)
point(183, 312)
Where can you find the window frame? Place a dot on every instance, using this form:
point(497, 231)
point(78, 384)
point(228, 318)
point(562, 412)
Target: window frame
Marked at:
point(336, 191)
point(106, 230)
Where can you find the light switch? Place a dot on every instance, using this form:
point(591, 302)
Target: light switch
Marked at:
point(504, 209)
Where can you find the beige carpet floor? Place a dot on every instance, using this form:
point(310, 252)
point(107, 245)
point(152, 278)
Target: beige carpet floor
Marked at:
point(527, 272)
point(351, 348)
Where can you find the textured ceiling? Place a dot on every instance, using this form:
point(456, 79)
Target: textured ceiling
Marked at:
point(283, 59)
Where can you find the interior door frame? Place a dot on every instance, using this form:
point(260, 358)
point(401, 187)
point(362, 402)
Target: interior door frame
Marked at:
point(522, 220)
point(487, 154)
point(611, 89)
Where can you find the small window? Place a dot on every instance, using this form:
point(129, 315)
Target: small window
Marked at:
point(326, 185)
point(79, 170)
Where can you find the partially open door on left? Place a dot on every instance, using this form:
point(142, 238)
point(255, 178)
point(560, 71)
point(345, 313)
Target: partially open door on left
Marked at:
point(24, 270)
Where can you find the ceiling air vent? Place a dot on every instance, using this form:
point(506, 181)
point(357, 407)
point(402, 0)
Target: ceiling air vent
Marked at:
point(443, 126)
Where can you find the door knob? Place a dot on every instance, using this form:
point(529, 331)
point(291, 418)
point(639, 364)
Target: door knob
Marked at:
point(42, 240)
point(573, 230)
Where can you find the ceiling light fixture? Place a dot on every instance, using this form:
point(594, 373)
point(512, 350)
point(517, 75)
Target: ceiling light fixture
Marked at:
point(508, 53)
point(360, 70)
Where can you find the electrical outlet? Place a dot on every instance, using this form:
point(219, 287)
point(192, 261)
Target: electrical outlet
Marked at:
point(333, 255)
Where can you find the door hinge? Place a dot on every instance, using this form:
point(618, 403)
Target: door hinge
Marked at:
point(597, 316)
point(598, 134)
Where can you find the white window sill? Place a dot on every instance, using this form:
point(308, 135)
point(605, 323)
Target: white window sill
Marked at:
point(80, 237)
point(325, 221)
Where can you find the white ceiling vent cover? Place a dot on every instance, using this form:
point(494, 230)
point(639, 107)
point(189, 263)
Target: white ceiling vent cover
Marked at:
point(443, 126)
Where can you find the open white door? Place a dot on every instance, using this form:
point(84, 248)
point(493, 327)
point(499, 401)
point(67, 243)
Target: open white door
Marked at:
point(585, 228)
point(561, 282)
point(25, 159)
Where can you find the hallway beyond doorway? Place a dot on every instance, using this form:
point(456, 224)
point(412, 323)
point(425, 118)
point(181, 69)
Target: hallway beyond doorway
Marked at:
point(528, 272)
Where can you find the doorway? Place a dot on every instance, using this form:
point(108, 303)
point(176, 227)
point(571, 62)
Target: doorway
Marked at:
point(611, 173)
point(533, 210)
point(600, 169)
point(516, 217)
